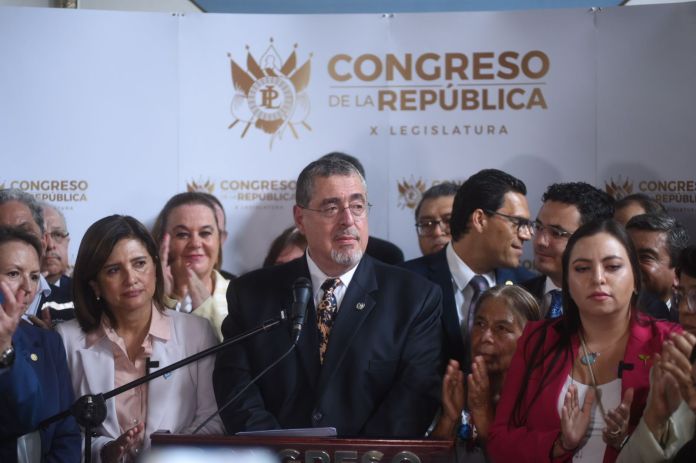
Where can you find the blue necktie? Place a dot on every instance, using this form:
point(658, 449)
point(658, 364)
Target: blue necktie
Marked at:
point(556, 307)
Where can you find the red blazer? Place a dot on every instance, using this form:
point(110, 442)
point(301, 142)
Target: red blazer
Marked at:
point(533, 442)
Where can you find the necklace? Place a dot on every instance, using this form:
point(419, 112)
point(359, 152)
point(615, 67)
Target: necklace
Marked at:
point(589, 358)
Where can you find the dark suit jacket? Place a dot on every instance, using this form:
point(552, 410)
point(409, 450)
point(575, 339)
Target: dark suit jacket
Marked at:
point(37, 386)
point(535, 286)
point(384, 250)
point(381, 374)
point(434, 267)
point(651, 304)
point(61, 294)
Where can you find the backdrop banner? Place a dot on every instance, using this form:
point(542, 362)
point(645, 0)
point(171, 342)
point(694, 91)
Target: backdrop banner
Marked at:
point(104, 112)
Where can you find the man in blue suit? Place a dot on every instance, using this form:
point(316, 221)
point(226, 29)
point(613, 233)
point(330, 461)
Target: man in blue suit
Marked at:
point(489, 224)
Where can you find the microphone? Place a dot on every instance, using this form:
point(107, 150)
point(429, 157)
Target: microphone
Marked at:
point(624, 367)
point(301, 291)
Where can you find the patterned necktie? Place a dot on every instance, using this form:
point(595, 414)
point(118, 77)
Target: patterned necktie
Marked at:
point(326, 313)
point(556, 307)
point(479, 285)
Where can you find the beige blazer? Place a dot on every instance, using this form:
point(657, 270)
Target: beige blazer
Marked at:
point(178, 401)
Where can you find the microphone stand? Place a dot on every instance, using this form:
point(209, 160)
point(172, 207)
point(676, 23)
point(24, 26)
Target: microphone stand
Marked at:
point(90, 410)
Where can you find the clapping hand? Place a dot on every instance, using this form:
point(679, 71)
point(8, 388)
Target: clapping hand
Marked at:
point(479, 397)
point(616, 420)
point(675, 361)
point(575, 419)
point(452, 401)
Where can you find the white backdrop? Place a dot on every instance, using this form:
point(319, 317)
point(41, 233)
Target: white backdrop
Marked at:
point(130, 108)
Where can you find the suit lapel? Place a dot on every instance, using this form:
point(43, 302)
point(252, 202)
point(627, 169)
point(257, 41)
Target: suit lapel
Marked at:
point(440, 274)
point(98, 368)
point(162, 390)
point(355, 308)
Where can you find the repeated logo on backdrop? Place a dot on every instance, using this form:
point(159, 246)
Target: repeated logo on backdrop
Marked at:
point(677, 195)
point(271, 93)
point(247, 193)
point(61, 192)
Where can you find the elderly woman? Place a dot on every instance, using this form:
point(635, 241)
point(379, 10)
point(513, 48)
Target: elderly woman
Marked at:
point(34, 378)
point(121, 325)
point(189, 236)
point(501, 314)
point(577, 386)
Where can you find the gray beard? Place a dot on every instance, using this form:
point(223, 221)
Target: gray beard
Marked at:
point(347, 258)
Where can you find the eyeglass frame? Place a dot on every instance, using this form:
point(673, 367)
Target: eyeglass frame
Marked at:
point(555, 232)
point(443, 224)
point(517, 222)
point(58, 236)
point(690, 294)
point(339, 210)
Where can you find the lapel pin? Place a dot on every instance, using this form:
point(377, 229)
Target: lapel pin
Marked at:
point(167, 375)
point(509, 283)
point(644, 358)
point(360, 305)
point(34, 357)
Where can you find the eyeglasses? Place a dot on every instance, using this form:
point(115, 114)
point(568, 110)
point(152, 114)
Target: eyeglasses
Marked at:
point(428, 227)
point(552, 231)
point(357, 210)
point(59, 236)
point(520, 223)
point(689, 295)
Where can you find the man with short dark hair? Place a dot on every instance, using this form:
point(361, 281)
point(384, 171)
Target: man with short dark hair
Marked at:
point(685, 293)
point(433, 215)
point(489, 224)
point(368, 360)
point(658, 239)
point(636, 204)
point(565, 207)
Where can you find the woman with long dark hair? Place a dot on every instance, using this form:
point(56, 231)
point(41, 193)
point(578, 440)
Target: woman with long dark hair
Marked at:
point(577, 385)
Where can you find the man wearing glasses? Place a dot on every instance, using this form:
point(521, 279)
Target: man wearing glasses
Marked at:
point(433, 215)
point(58, 306)
point(489, 224)
point(368, 360)
point(566, 206)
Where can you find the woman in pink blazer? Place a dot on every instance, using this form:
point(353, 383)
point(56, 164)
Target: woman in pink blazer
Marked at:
point(577, 386)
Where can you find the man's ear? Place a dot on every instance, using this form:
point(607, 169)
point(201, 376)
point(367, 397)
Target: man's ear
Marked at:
point(299, 218)
point(479, 220)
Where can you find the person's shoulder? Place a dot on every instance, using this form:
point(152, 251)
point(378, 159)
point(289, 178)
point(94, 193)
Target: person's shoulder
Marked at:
point(422, 263)
point(182, 320)
point(384, 250)
point(513, 275)
point(398, 274)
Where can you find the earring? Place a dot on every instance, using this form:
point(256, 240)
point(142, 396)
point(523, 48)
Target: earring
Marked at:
point(98, 298)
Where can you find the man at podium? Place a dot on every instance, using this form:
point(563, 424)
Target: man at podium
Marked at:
point(368, 359)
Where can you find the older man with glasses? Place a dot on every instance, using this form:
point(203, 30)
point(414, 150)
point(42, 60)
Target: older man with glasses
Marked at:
point(566, 206)
point(55, 267)
point(489, 225)
point(368, 360)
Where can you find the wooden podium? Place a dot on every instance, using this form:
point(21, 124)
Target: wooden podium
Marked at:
point(324, 449)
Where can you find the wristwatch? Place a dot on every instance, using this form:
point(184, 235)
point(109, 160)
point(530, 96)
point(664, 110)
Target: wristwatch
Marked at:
point(7, 357)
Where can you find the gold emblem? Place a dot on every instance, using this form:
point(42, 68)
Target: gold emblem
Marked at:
point(410, 192)
point(619, 188)
point(271, 93)
point(201, 186)
point(34, 357)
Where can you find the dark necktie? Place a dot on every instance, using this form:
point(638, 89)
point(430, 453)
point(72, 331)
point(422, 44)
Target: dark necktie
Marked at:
point(326, 313)
point(479, 285)
point(556, 307)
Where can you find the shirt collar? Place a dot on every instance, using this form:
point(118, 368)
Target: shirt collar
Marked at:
point(550, 286)
point(462, 273)
point(318, 277)
point(159, 328)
